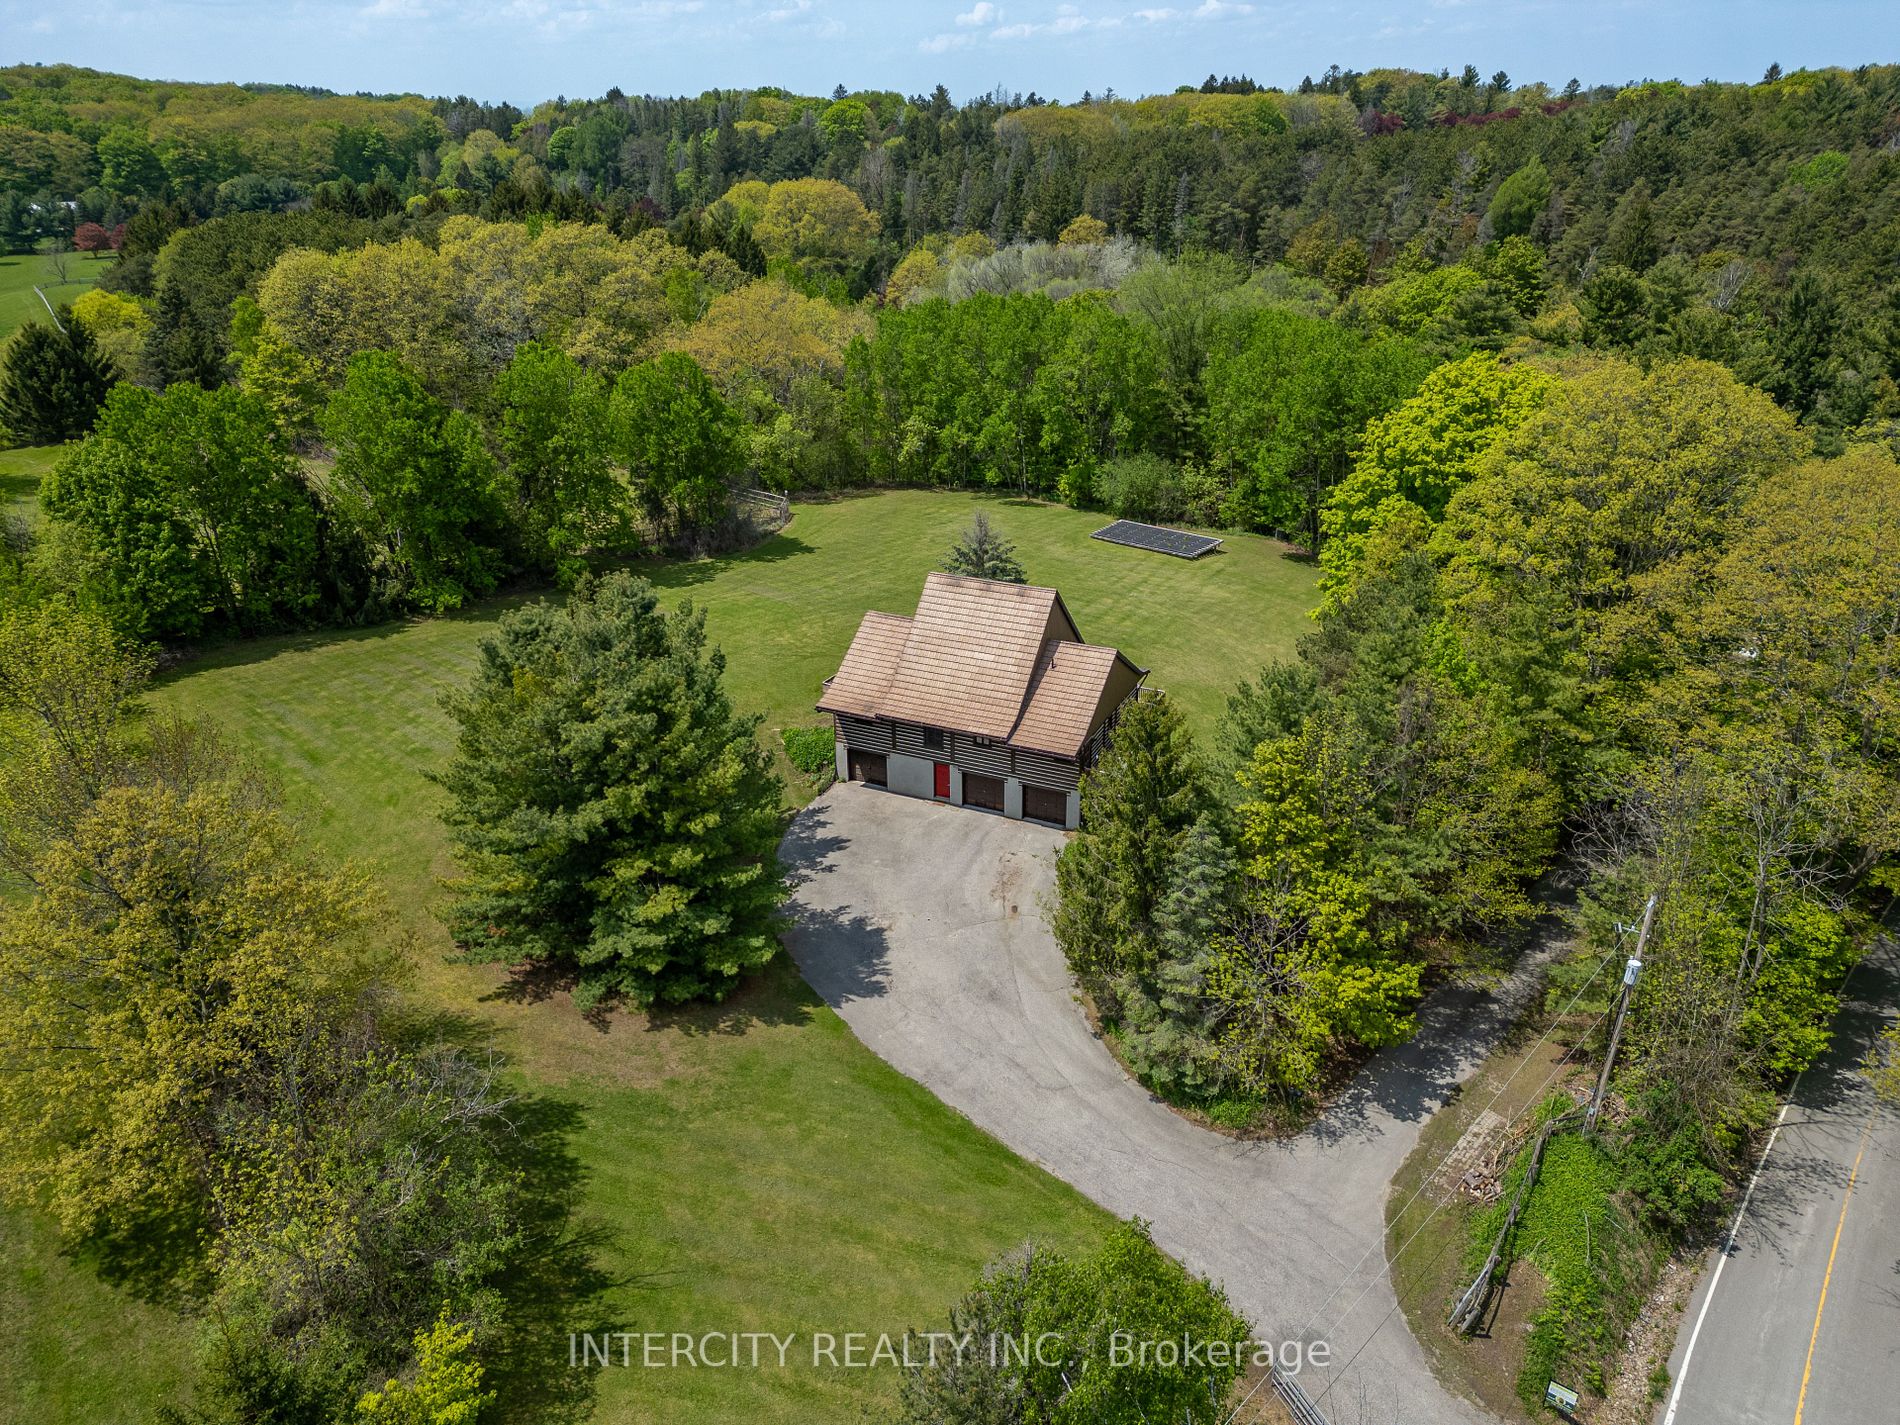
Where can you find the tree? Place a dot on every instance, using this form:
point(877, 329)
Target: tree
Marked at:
point(118, 324)
point(1304, 968)
point(1077, 1309)
point(554, 439)
point(413, 478)
point(678, 440)
point(1083, 230)
point(446, 1388)
point(283, 382)
point(1138, 803)
point(1287, 405)
point(613, 817)
point(52, 383)
point(1619, 476)
point(1633, 241)
point(981, 552)
point(815, 222)
point(196, 510)
point(1517, 266)
point(1422, 452)
point(179, 955)
point(1168, 1019)
point(1883, 1065)
point(92, 238)
point(66, 681)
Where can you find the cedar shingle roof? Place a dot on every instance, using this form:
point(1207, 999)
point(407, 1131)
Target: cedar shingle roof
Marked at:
point(865, 675)
point(982, 657)
point(1059, 710)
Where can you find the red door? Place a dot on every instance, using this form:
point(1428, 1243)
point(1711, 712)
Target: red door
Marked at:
point(943, 780)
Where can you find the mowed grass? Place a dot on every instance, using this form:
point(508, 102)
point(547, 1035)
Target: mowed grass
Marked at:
point(748, 1166)
point(20, 474)
point(21, 271)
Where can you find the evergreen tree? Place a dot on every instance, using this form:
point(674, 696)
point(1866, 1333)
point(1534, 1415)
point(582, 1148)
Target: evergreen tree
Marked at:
point(179, 348)
point(981, 552)
point(1137, 804)
point(53, 383)
point(614, 817)
point(1168, 1020)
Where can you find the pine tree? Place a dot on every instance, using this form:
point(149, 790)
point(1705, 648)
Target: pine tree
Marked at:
point(983, 553)
point(52, 383)
point(614, 817)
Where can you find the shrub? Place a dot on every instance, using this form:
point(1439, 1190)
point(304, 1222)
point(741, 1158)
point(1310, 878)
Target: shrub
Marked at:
point(1141, 487)
point(810, 749)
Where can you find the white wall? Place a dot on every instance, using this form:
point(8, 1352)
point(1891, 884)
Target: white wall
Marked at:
point(913, 776)
point(1013, 798)
point(844, 760)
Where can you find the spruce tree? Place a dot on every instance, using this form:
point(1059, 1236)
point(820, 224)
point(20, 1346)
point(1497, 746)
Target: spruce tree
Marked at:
point(982, 553)
point(1168, 1018)
point(1137, 804)
point(52, 382)
point(614, 818)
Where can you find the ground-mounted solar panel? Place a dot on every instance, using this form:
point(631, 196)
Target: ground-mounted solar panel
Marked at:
point(1160, 539)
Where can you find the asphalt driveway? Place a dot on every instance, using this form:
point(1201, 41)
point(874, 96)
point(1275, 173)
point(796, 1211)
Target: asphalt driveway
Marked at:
point(922, 925)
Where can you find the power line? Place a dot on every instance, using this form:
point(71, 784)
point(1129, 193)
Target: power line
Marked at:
point(1426, 1179)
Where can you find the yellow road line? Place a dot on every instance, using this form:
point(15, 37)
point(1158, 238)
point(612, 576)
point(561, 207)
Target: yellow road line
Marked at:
point(1807, 1369)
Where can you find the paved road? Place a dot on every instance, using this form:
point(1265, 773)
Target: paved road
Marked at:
point(922, 925)
point(1764, 1331)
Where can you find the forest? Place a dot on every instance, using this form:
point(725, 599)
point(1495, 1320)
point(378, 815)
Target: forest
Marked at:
point(1585, 401)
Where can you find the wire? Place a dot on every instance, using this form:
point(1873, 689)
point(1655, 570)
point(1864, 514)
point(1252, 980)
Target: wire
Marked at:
point(1426, 1179)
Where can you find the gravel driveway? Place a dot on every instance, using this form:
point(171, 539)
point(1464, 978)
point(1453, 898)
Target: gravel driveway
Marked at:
point(922, 925)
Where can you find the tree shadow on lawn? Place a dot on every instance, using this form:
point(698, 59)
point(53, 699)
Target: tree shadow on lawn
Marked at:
point(770, 996)
point(237, 651)
point(554, 1288)
point(158, 1259)
point(689, 573)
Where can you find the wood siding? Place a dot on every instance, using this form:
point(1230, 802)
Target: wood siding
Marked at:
point(909, 739)
point(1057, 772)
point(989, 758)
point(864, 733)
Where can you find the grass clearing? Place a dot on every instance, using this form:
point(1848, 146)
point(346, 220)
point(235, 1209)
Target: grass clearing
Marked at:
point(20, 474)
point(746, 1166)
point(20, 272)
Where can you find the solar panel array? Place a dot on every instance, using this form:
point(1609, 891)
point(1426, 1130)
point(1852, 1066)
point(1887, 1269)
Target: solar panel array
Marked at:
point(1177, 542)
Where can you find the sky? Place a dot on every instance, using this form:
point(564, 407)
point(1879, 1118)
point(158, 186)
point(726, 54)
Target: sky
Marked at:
point(525, 50)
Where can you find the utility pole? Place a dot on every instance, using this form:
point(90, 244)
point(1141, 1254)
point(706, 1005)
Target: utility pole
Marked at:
point(1631, 970)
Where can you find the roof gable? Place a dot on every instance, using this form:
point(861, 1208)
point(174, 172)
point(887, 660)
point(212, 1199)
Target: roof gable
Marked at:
point(995, 660)
point(972, 648)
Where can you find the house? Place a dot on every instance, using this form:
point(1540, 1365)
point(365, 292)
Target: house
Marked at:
point(985, 697)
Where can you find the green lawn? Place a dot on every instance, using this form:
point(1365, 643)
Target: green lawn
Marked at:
point(20, 272)
point(20, 474)
point(749, 1166)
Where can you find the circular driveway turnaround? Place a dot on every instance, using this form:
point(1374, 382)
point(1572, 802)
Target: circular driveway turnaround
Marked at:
point(922, 925)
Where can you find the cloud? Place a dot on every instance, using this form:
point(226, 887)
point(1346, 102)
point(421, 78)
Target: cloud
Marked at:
point(1214, 9)
point(981, 13)
point(942, 44)
point(1068, 21)
point(1155, 17)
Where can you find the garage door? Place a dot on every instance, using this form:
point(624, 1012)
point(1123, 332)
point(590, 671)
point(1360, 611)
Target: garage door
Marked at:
point(979, 791)
point(1046, 804)
point(868, 767)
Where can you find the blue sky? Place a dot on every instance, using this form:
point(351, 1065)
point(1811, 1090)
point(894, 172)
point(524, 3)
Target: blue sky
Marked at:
point(524, 50)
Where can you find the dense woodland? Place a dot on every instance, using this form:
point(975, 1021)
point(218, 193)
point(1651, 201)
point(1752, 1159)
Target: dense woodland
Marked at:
point(1585, 400)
